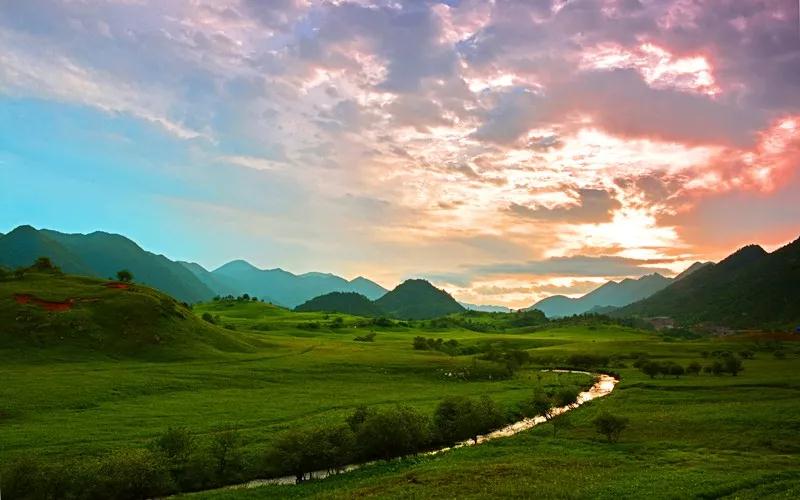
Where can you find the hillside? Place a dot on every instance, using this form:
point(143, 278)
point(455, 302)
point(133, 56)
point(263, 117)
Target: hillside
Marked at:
point(101, 255)
point(418, 299)
point(288, 289)
point(46, 310)
point(611, 293)
point(343, 302)
point(750, 288)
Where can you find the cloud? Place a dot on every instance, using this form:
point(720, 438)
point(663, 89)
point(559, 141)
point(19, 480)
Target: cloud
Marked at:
point(593, 206)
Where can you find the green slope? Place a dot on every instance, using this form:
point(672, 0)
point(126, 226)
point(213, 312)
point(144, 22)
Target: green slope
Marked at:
point(343, 302)
point(418, 299)
point(101, 255)
point(749, 289)
point(45, 311)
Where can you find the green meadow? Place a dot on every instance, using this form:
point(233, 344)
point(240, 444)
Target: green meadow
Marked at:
point(259, 370)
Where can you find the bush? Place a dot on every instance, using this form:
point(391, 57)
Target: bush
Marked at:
point(209, 318)
point(611, 426)
point(391, 433)
point(733, 365)
point(370, 337)
point(44, 264)
point(420, 343)
point(128, 474)
point(694, 368)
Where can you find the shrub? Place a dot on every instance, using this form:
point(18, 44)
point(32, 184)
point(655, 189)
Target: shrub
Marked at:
point(611, 426)
point(370, 337)
point(208, 317)
point(716, 367)
point(128, 474)
point(587, 361)
point(44, 264)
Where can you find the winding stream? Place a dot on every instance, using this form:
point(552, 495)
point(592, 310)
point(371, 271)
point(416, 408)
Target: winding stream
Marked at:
point(602, 387)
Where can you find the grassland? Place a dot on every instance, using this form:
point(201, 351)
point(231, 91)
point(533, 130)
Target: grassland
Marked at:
point(265, 369)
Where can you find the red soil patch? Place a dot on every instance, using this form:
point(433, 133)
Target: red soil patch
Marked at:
point(121, 286)
point(47, 305)
point(22, 298)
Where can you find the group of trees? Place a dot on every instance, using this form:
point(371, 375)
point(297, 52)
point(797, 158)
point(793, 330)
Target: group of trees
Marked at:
point(431, 344)
point(726, 362)
point(245, 297)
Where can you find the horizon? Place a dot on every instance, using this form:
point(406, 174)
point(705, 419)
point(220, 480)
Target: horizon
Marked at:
point(441, 140)
point(768, 249)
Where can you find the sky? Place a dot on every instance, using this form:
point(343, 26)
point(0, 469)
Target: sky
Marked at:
point(506, 150)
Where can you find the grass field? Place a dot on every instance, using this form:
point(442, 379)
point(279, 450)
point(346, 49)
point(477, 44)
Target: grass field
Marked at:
point(272, 369)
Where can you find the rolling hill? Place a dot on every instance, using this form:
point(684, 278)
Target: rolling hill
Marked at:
point(750, 288)
point(45, 310)
point(418, 299)
point(288, 289)
point(101, 255)
point(343, 302)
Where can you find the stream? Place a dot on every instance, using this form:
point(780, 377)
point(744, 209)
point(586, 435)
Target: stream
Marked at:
point(602, 387)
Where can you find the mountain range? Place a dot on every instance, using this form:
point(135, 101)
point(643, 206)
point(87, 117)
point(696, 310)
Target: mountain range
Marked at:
point(749, 288)
point(101, 254)
point(411, 299)
point(609, 295)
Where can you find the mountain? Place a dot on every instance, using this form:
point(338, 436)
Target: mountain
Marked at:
point(611, 293)
point(343, 302)
point(485, 308)
point(689, 270)
point(101, 255)
point(418, 299)
point(48, 310)
point(287, 289)
point(749, 289)
point(220, 285)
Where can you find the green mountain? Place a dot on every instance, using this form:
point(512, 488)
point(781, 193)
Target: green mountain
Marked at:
point(288, 289)
point(343, 302)
point(749, 289)
point(418, 299)
point(46, 310)
point(101, 255)
point(611, 293)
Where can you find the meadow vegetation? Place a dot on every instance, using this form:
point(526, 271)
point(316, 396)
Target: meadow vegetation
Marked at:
point(103, 403)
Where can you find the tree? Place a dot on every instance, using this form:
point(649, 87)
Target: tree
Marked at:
point(392, 432)
point(300, 452)
point(733, 365)
point(420, 343)
point(651, 369)
point(694, 368)
point(225, 449)
point(124, 275)
point(611, 426)
point(716, 367)
point(453, 419)
point(487, 416)
point(673, 369)
point(44, 264)
point(175, 444)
